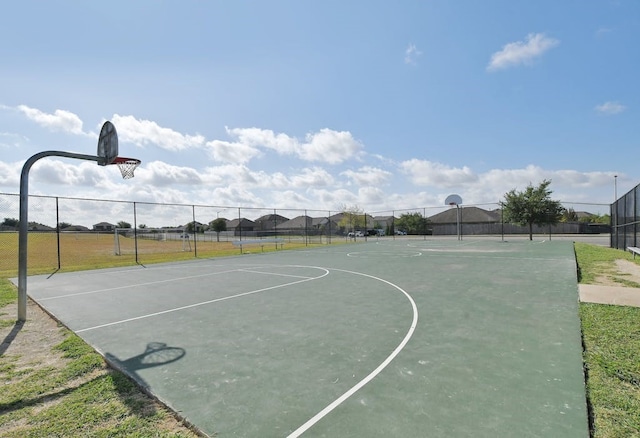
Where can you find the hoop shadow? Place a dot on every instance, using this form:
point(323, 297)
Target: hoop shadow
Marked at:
point(155, 354)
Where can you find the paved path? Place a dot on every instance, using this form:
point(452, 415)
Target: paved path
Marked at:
point(617, 295)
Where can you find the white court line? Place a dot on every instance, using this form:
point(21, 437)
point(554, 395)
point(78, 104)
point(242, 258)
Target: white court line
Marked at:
point(274, 273)
point(140, 284)
point(176, 309)
point(320, 415)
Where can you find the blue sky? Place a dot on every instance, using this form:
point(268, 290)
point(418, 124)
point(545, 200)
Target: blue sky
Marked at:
point(300, 104)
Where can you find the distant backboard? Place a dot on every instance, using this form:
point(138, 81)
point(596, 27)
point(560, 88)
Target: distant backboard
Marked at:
point(453, 200)
point(107, 144)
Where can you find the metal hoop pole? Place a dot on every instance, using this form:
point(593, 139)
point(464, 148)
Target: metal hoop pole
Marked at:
point(24, 222)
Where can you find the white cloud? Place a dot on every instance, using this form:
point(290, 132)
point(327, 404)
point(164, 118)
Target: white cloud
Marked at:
point(162, 174)
point(10, 140)
point(256, 137)
point(329, 146)
point(60, 120)
point(610, 108)
point(78, 174)
point(521, 52)
point(144, 132)
point(367, 175)
point(293, 200)
point(235, 195)
point(371, 196)
point(315, 177)
point(428, 173)
point(326, 146)
point(411, 54)
point(10, 174)
point(229, 152)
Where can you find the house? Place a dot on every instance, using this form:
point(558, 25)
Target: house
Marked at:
point(34, 226)
point(473, 220)
point(470, 215)
point(307, 225)
point(268, 222)
point(297, 225)
point(104, 226)
point(241, 226)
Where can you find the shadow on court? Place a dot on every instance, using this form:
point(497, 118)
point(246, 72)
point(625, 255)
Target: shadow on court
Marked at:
point(155, 354)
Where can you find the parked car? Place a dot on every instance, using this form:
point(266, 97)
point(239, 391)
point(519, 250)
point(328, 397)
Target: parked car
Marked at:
point(401, 233)
point(359, 234)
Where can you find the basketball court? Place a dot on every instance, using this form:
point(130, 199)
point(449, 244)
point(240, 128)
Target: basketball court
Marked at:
point(385, 338)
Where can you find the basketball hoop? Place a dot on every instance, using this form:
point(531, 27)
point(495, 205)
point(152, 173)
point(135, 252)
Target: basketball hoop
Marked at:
point(127, 166)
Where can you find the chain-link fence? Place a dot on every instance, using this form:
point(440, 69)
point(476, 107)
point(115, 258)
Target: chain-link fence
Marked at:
point(625, 217)
point(72, 232)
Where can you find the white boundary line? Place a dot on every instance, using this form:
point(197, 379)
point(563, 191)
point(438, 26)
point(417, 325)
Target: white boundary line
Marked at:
point(169, 280)
point(320, 415)
point(176, 309)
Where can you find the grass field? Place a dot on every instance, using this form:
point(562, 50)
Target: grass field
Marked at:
point(55, 385)
point(96, 250)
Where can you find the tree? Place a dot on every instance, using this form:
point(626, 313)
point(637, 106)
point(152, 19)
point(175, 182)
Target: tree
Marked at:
point(569, 215)
point(10, 222)
point(218, 225)
point(63, 225)
point(597, 219)
point(532, 206)
point(123, 224)
point(412, 223)
point(352, 218)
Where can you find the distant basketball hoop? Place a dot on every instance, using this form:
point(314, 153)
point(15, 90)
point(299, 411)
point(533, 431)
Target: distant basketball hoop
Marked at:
point(453, 200)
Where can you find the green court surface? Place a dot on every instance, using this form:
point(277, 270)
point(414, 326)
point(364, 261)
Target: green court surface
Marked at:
point(388, 338)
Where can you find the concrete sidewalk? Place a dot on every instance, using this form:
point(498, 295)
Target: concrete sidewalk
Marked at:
point(615, 295)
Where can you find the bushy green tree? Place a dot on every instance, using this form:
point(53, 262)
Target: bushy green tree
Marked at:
point(569, 215)
point(352, 218)
point(10, 222)
point(532, 206)
point(218, 225)
point(412, 223)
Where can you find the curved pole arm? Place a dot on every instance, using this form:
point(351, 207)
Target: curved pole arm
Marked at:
point(24, 221)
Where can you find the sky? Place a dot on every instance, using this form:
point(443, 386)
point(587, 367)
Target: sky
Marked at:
point(297, 104)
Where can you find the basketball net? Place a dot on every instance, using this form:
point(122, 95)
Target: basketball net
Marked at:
point(127, 166)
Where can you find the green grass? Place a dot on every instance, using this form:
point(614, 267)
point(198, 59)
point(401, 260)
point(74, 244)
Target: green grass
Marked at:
point(611, 337)
point(594, 261)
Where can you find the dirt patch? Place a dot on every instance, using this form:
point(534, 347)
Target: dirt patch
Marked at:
point(622, 272)
point(29, 345)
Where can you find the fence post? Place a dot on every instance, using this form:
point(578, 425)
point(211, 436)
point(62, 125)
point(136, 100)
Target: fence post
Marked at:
point(275, 227)
point(58, 232)
point(135, 232)
point(195, 231)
